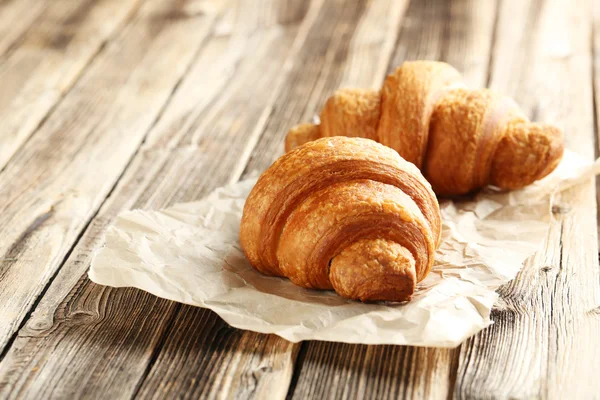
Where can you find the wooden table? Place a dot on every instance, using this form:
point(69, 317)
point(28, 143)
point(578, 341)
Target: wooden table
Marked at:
point(109, 105)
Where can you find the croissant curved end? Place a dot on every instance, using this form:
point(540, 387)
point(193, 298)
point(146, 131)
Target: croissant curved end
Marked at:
point(528, 152)
point(347, 214)
point(301, 134)
point(375, 269)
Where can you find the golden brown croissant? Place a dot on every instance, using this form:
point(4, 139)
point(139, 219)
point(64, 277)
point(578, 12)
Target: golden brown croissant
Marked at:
point(462, 140)
point(346, 214)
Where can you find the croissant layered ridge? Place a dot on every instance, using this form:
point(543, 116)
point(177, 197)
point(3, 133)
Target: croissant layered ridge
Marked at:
point(461, 140)
point(346, 214)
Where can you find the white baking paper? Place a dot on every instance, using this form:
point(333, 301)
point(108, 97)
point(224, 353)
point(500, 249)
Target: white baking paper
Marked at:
point(190, 253)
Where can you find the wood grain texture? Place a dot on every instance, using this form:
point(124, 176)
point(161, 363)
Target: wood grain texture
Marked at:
point(241, 70)
point(404, 372)
point(327, 62)
point(177, 102)
point(43, 62)
point(23, 11)
point(164, 171)
point(544, 340)
point(460, 33)
point(219, 362)
point(344, 371)
point(55, 184)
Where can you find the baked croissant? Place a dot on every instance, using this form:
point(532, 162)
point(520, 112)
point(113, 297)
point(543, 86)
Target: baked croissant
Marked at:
point(346, 214)
point(461, 140)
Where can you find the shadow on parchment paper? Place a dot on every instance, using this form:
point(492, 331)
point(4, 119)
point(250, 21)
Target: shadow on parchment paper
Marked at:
point(241, 273)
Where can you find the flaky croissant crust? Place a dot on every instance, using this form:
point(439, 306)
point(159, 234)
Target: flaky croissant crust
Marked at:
point(346, 214)
point(462, 140)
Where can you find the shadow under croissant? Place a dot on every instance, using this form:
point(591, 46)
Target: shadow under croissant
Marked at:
point(245, 275)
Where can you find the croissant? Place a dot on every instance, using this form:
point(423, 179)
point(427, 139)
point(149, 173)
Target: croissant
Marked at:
point(461, 140)
point(346, 214)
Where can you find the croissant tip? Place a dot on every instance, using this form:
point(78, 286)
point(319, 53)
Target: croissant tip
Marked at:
point(555, 151)
point(301, 134)
point(529, 152)
point(374, 270)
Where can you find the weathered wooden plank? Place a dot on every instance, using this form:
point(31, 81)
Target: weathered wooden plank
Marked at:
point(47, 59)
point(544, 343)
point(240, 90)
point(319, 71)
point(25, 12)
point(374, 372)
point(459, 32)
point(230, 72)
point(56, 183)
point(86, 340)
point(203, 357)
point(371, 47)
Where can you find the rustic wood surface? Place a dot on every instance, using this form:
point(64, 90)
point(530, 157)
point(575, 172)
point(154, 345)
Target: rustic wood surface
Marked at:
point(110, 105)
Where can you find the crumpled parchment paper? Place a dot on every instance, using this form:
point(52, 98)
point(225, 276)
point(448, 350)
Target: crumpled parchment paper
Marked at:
point(190, 253)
